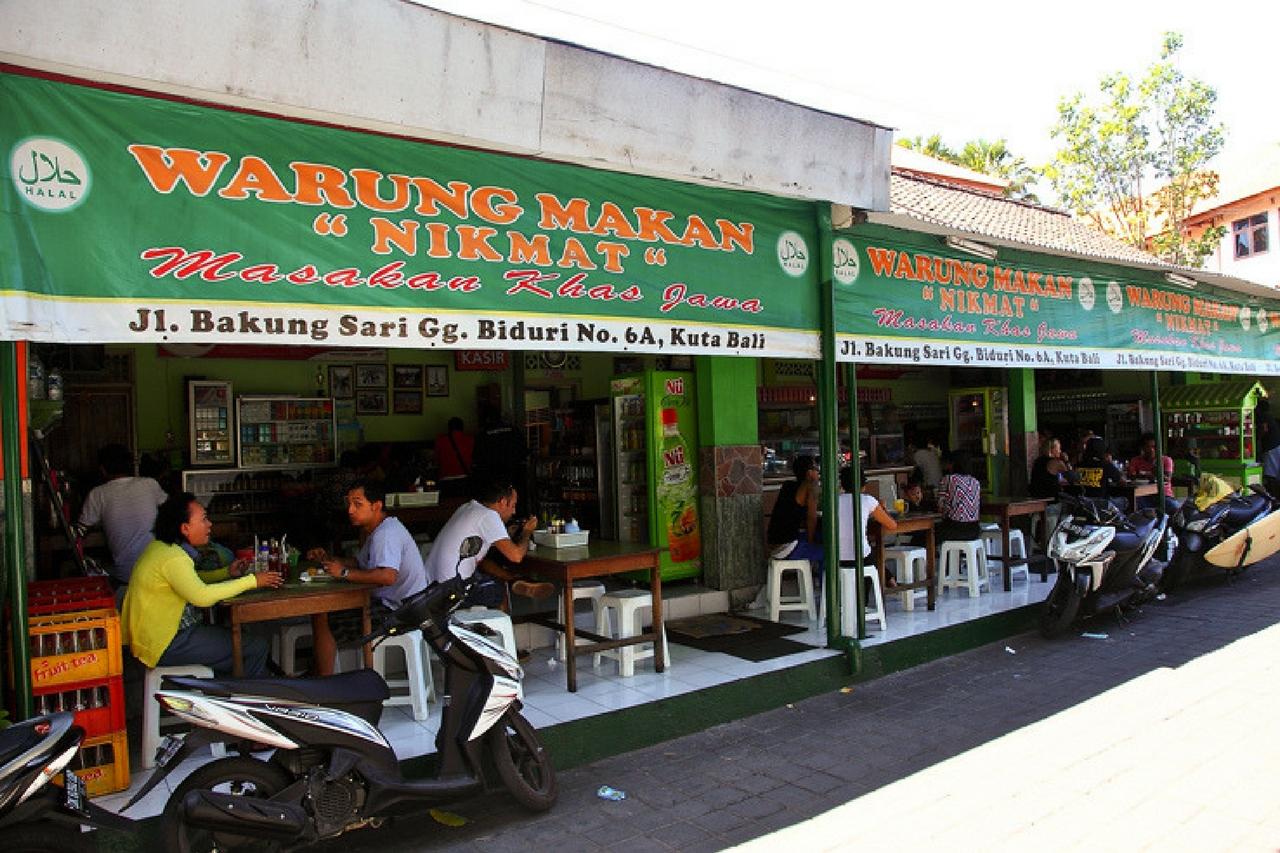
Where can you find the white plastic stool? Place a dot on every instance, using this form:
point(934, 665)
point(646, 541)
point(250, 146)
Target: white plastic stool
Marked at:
point(151, 708)
point(911, 564)
point(583, 590)
point(1017, 548)
point(631, 606)
point(969, 556)
point(418, 682)
point(804, 578)
point(497, 621)
point(284, 645)
point(849, 599)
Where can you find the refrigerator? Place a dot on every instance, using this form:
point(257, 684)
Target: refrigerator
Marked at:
point(656, 467)
point(212, 429)
point(980, 425)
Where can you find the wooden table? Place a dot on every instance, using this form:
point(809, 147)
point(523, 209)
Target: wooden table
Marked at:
point(911, 523)
point(1006, 508)
point(597, 559)
point(1132, 491)
point(297, 599)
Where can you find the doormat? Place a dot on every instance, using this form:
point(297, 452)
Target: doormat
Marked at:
point(741, 636)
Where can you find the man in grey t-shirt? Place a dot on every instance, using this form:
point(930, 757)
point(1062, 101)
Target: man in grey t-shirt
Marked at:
point(125, 506)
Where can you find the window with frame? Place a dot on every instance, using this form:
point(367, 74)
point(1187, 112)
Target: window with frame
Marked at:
point(1251, 235)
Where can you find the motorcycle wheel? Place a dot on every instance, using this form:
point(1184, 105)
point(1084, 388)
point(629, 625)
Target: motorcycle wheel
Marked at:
point(1177, 570)
point(523, 763)
point(44, 837)
point(245, 777)
point(1060, 608)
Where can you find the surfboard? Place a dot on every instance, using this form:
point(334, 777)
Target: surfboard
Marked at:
point(1262, 539)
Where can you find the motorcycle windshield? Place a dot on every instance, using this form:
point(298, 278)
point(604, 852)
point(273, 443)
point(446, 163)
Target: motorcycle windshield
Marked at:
point(1211, 490)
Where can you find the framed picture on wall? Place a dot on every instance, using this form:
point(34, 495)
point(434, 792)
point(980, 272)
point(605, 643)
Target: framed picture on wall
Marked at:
point(371, 376)
point(406, 402)
point(406, 376)
point(437, 380)
point(341, 382)
point(371, 402)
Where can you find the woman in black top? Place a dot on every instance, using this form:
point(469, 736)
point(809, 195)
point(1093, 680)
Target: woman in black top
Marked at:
point(795, 515)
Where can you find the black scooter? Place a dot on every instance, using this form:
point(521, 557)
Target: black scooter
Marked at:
point(1105, 561)
point(1233, 517)
point(37, 816)
point(331, 770)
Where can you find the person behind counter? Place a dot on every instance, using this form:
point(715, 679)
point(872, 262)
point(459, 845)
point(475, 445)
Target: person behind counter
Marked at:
point(388, 559)
point(454, 448)
point(793, 525)
point(161, 622)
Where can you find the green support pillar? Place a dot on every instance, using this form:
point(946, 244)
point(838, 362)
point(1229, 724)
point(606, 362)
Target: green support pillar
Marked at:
point(1024, 438)
point(730, 474)
point(15, 558)
point(829, 427)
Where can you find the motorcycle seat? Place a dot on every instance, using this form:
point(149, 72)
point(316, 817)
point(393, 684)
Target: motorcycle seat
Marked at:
point(1245, 510)
point(1130, 540)
point(348, 688)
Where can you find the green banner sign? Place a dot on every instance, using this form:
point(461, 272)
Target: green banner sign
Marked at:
point(901, 297)
point(131, 218)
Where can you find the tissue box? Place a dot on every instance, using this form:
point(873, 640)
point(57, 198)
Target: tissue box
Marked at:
point(560, 540)
point(414, 498)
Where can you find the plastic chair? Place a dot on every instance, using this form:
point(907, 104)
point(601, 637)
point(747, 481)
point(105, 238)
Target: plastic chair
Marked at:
point(911, 564)
point(964, 566)
point(849, 599)
point(151, 708)
point(583, 590)
point(284, 644)
point(630, 605)
point(1017, 549)
point(802, 601)
point(497, 621)
point(418, 682)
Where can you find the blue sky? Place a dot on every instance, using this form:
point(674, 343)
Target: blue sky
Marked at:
point(988, 69)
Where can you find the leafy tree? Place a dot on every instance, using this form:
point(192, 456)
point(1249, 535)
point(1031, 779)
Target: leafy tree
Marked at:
point(989, 158)
point(1157, 132)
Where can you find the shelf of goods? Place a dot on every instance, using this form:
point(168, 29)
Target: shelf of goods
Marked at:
point(1213, 423)
point(286, 431)
point(77, 666)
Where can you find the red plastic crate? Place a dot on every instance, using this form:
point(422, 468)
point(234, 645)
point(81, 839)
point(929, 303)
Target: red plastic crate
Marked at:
point(60, 596)
point(103, 764)
point(98, 705)
point(73, 647)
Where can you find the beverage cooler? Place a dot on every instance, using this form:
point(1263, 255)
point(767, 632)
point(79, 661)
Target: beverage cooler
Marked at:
point(980, 426)
point(656, 462)
point(212, 429)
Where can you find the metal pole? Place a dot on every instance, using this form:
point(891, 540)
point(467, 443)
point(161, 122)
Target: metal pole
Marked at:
point(1155, 421)
point(828, 428)
point(855, 460)
point(15, 523)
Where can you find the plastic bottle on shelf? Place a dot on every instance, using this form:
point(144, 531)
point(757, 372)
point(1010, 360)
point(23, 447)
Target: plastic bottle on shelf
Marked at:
point(263, 562)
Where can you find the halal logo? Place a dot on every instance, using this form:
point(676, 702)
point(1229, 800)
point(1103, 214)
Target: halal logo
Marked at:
point(793, 254)
point(49, 174)
point(844, 261)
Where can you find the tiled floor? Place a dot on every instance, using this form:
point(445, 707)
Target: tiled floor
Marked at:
point(548, 703)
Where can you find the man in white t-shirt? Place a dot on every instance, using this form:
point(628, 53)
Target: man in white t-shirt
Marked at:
point(125, 506)
point(487, 517)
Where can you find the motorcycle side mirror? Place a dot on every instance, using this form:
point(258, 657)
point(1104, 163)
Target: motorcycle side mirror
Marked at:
point(469, 548)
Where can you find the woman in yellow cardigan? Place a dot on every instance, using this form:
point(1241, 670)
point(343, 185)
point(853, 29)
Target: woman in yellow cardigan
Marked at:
point(161, 621)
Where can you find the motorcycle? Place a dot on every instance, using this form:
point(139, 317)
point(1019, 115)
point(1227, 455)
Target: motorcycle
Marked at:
point(1221, 528)
point(35, 815)
point(331, 770)
point(1104, 561)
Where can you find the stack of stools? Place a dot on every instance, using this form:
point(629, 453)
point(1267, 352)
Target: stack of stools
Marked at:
point(631, 606)
point(77, 666)
point(583, 590)
point(803, 600)
point(963, 566)
point(1017, 548)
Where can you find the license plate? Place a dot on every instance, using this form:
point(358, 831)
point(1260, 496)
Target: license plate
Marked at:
point(75, 788)
point(168, 748)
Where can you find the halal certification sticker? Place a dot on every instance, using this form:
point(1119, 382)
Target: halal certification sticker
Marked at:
point(1115, 298)
point(1245, 317)
point(1087, 294)
point(793, 254)
point(844, 261)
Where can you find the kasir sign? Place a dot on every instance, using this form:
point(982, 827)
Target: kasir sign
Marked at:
point(136, 218)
